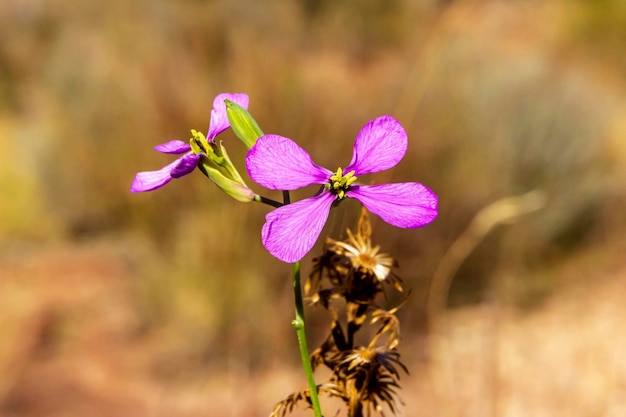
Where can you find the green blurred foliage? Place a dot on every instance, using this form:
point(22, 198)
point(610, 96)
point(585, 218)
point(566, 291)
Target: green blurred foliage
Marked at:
point(87, 89)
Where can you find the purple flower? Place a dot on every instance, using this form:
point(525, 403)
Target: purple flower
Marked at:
point(278, 163)
point(151, 180)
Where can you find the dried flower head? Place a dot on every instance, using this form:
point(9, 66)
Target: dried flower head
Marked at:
point(371, 377)
point(362, 255)
point(354, 267)
point(346, 281)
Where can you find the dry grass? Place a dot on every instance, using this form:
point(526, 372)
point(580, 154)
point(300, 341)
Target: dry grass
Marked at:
point(564, 358)
point(85, 351)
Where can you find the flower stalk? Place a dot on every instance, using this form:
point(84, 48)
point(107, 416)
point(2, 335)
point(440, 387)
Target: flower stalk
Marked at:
point(298, 324)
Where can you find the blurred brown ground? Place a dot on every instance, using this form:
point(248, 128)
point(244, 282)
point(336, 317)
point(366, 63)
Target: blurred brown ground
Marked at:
point(166, 304)
point(77, 348)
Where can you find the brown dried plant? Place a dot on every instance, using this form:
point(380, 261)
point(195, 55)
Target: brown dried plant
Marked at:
point(347, 280)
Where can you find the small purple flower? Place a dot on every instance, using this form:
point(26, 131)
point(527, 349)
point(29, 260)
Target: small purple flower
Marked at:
point(151, 180)
point(278, 163)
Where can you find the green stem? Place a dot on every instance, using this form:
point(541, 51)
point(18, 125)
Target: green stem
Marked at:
point(267, 201)
point(298, 323)
point(286, 198)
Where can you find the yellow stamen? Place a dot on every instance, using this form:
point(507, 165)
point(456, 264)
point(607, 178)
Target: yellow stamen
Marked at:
point(339, 182)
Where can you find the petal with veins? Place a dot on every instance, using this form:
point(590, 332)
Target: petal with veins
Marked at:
point(380, 145)
point(291, 231)
point(407, 204)
point(151, 180)
point(186, 164)
point(173, 146)
point(278, 163)
point(219, 118)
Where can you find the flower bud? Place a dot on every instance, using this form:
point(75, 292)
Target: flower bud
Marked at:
point(243, 124)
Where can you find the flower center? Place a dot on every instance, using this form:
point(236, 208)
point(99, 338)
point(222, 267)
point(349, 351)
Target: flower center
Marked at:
point(366, 261)
point(340, 183)
point(199, 145)
point(198, 142)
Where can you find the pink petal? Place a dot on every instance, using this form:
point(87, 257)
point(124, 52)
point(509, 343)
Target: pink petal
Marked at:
point(173, 147)
point(219, 119)
point(278, 163)
point(291, 231)
point(151, 180)
point(407, 204)
point(186, 164)
point(380, 145)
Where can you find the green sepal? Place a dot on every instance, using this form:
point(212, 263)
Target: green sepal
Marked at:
point(227, 164)
point(243, 124)
point(236, 189)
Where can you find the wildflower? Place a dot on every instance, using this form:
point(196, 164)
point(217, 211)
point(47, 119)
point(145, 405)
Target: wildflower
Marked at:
point(278, 163)
point(151, 180)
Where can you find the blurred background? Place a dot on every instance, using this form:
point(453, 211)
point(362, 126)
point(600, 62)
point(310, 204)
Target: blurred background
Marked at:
point(166, 303)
